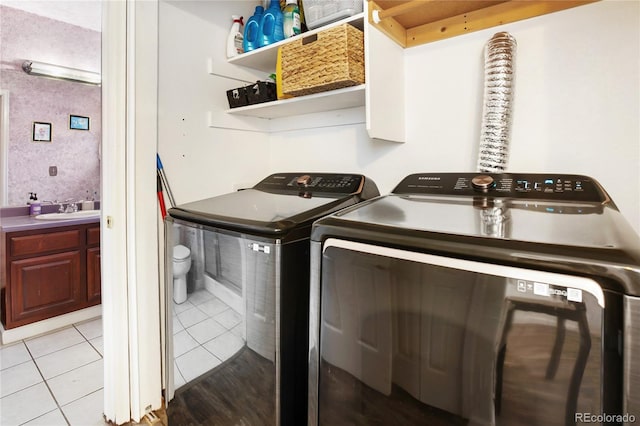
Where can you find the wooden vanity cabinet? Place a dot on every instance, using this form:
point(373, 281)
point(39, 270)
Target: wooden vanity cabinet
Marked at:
point(50, 272)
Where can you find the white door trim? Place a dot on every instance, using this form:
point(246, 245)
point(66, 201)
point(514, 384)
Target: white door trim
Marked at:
point(113, 237)
point(129, 234)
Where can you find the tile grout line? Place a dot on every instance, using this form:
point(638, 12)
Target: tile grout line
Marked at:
point(179, 371)
point(202, 345)
point(43, 414)
point(75, 368)
point(197, 322)
point(46, 381)
point(89, 342)
point(48, 388)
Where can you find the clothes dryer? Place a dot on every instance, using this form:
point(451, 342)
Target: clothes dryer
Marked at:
point(492, 299)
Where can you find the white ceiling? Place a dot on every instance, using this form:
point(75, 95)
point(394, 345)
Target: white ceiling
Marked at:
point(83, 13)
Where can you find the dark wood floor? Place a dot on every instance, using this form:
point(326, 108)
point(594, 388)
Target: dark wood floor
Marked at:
point(240, 392)
point(354, 403)
point(528, 396)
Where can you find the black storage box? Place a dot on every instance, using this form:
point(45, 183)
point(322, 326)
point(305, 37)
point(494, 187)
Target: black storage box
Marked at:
point(261, 91)
point(237, 97)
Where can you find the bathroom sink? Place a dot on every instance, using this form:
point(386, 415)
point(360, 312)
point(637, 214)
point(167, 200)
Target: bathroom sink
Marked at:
point(82, 214)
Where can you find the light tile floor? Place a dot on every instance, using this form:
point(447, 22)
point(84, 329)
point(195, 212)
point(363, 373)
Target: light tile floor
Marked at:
point(206, 332)
point(55, 379)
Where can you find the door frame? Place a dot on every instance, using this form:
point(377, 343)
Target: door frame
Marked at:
point(129, 223)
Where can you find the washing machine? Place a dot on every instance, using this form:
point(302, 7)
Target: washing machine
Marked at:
point(476, 299)
point(249, 277)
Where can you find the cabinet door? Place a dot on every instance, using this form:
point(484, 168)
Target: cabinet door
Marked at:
point(93, 276)
point(45, 286)
point(93, 236)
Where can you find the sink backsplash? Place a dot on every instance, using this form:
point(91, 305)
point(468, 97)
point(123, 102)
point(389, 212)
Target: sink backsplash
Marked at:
point(46, 208)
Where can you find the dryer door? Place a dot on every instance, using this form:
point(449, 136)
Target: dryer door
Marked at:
point(437, 340)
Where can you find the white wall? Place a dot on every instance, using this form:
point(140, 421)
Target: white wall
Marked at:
point(576, 110)
point(576, 106)
point(200, 161)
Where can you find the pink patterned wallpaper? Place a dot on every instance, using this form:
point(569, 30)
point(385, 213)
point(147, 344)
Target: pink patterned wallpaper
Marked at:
point(75, 153)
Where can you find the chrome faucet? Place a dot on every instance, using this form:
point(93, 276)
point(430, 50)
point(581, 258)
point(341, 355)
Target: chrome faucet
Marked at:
point(68, 206)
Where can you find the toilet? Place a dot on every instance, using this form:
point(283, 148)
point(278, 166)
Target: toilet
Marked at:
point(181, 266)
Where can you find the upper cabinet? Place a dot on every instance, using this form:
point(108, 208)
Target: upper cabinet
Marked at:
point(264, 59)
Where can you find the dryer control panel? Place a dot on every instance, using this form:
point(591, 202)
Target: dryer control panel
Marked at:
point(533, 186)
point(328, 183)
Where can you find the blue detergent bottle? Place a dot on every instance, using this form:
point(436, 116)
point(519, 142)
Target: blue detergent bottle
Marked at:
point(271, 27)
point(252, 30)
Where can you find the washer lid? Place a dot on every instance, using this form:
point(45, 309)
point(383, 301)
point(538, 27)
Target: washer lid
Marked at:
point(279, 203)
point(512, 222)
point(569, 210)
point(180, 252)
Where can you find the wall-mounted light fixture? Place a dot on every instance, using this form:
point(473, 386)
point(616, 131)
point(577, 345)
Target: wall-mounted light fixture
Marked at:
point(60, 72)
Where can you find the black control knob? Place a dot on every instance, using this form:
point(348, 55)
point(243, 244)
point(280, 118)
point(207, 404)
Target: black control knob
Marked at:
point(303, 180)
point(482, 183)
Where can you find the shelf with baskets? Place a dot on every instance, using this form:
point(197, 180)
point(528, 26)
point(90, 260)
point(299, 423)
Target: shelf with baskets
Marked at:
point(348, 97)
point(366, 103)
point(264, 59)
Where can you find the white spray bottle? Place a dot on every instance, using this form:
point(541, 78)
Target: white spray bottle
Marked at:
point(234, 39)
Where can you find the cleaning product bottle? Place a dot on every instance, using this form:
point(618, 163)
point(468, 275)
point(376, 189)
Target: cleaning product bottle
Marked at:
point(291, 20)
point(234, 39)
point(252, 30)
point(271, 30)
point(34, 208)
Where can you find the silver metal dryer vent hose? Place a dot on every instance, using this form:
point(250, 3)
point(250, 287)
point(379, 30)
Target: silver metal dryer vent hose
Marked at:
point(499, 60)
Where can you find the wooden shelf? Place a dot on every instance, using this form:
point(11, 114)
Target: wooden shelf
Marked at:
point(414, 22)
point(348, 97)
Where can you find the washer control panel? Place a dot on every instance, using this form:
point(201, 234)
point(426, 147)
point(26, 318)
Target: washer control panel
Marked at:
point(559, 187)
point(332, 183)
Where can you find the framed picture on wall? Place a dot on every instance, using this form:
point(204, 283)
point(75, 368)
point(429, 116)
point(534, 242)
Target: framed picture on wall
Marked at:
point(78, 122)
point(41, 132)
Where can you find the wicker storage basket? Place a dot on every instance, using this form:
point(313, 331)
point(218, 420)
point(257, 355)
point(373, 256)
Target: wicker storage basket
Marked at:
point(329, 60)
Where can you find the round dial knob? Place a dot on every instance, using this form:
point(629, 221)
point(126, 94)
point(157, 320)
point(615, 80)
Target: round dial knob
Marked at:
point(304, 180)
point(482, 182)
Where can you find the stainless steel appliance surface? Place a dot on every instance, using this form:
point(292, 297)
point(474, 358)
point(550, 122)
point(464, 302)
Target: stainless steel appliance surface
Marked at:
point(476, 299)
point(250, 249)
